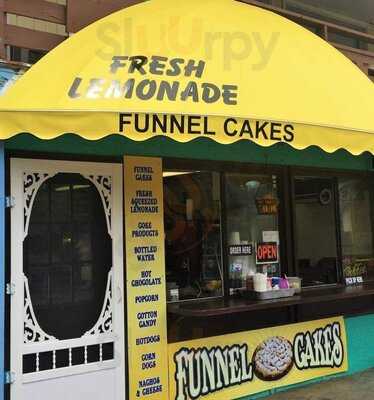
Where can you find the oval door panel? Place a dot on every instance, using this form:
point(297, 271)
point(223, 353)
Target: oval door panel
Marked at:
point(67, 255)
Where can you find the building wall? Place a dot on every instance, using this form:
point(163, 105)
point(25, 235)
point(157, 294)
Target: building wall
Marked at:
point(83, 12)
point(359, 329)
point(36, 25)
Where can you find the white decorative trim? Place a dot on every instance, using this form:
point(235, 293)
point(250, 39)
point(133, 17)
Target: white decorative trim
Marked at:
point(105, 321)
point(30, 351)
point(104, 186)
point(32, 332)
point(69, 371)
point(32, 181)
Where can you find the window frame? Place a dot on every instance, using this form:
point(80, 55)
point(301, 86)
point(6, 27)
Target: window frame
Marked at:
point(198, 167)
point(287, 223)
point(255, 170)
point(334, 174)
point(171, 164)
point(297, 173)
point(369, 175)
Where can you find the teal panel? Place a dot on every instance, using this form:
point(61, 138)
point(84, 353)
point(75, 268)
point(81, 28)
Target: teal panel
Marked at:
point(360, 331)
point(202, 148)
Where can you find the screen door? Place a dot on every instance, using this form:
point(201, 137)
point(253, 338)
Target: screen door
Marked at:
point(67, 313)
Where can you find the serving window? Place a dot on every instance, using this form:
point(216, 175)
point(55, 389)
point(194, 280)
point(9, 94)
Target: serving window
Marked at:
point(192, 215)
point(316, 240)
point(226, 222)
point(356, 201)
point(252, 225)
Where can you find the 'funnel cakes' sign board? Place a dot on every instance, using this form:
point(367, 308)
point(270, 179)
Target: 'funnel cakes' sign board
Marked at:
point(231, 366)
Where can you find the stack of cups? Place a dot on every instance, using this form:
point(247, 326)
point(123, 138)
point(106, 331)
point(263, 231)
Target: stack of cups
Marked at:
point(260, 282)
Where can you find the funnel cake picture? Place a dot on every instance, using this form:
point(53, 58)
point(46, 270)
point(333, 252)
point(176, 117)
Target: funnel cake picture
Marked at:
point(273, 359)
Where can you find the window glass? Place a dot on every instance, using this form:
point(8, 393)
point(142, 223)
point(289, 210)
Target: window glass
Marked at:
point(356, 212)
point(192, 235)
point(8, 76)
point(315, 236)
point(252, 212)
point(67, 255)
point(25, 55)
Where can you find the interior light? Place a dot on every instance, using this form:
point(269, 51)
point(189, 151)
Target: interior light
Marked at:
point(168, 174)
point(62, 188)
point(252, 185)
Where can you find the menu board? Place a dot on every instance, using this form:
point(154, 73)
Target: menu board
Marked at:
point(145, 275)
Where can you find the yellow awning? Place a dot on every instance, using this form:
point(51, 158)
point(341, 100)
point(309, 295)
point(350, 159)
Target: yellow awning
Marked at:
point(215, 68)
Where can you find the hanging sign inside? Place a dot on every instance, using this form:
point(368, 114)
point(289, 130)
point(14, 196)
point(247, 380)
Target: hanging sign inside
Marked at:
point(267, 253)
point(146, 292)
point(267, 206)
point(241, 250)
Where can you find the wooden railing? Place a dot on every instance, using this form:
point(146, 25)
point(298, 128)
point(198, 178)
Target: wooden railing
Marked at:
point(364, 58)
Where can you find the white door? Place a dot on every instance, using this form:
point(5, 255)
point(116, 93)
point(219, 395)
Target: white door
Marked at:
point(67, 313)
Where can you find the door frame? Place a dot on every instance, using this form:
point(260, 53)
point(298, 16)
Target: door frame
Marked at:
point(15, 260)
